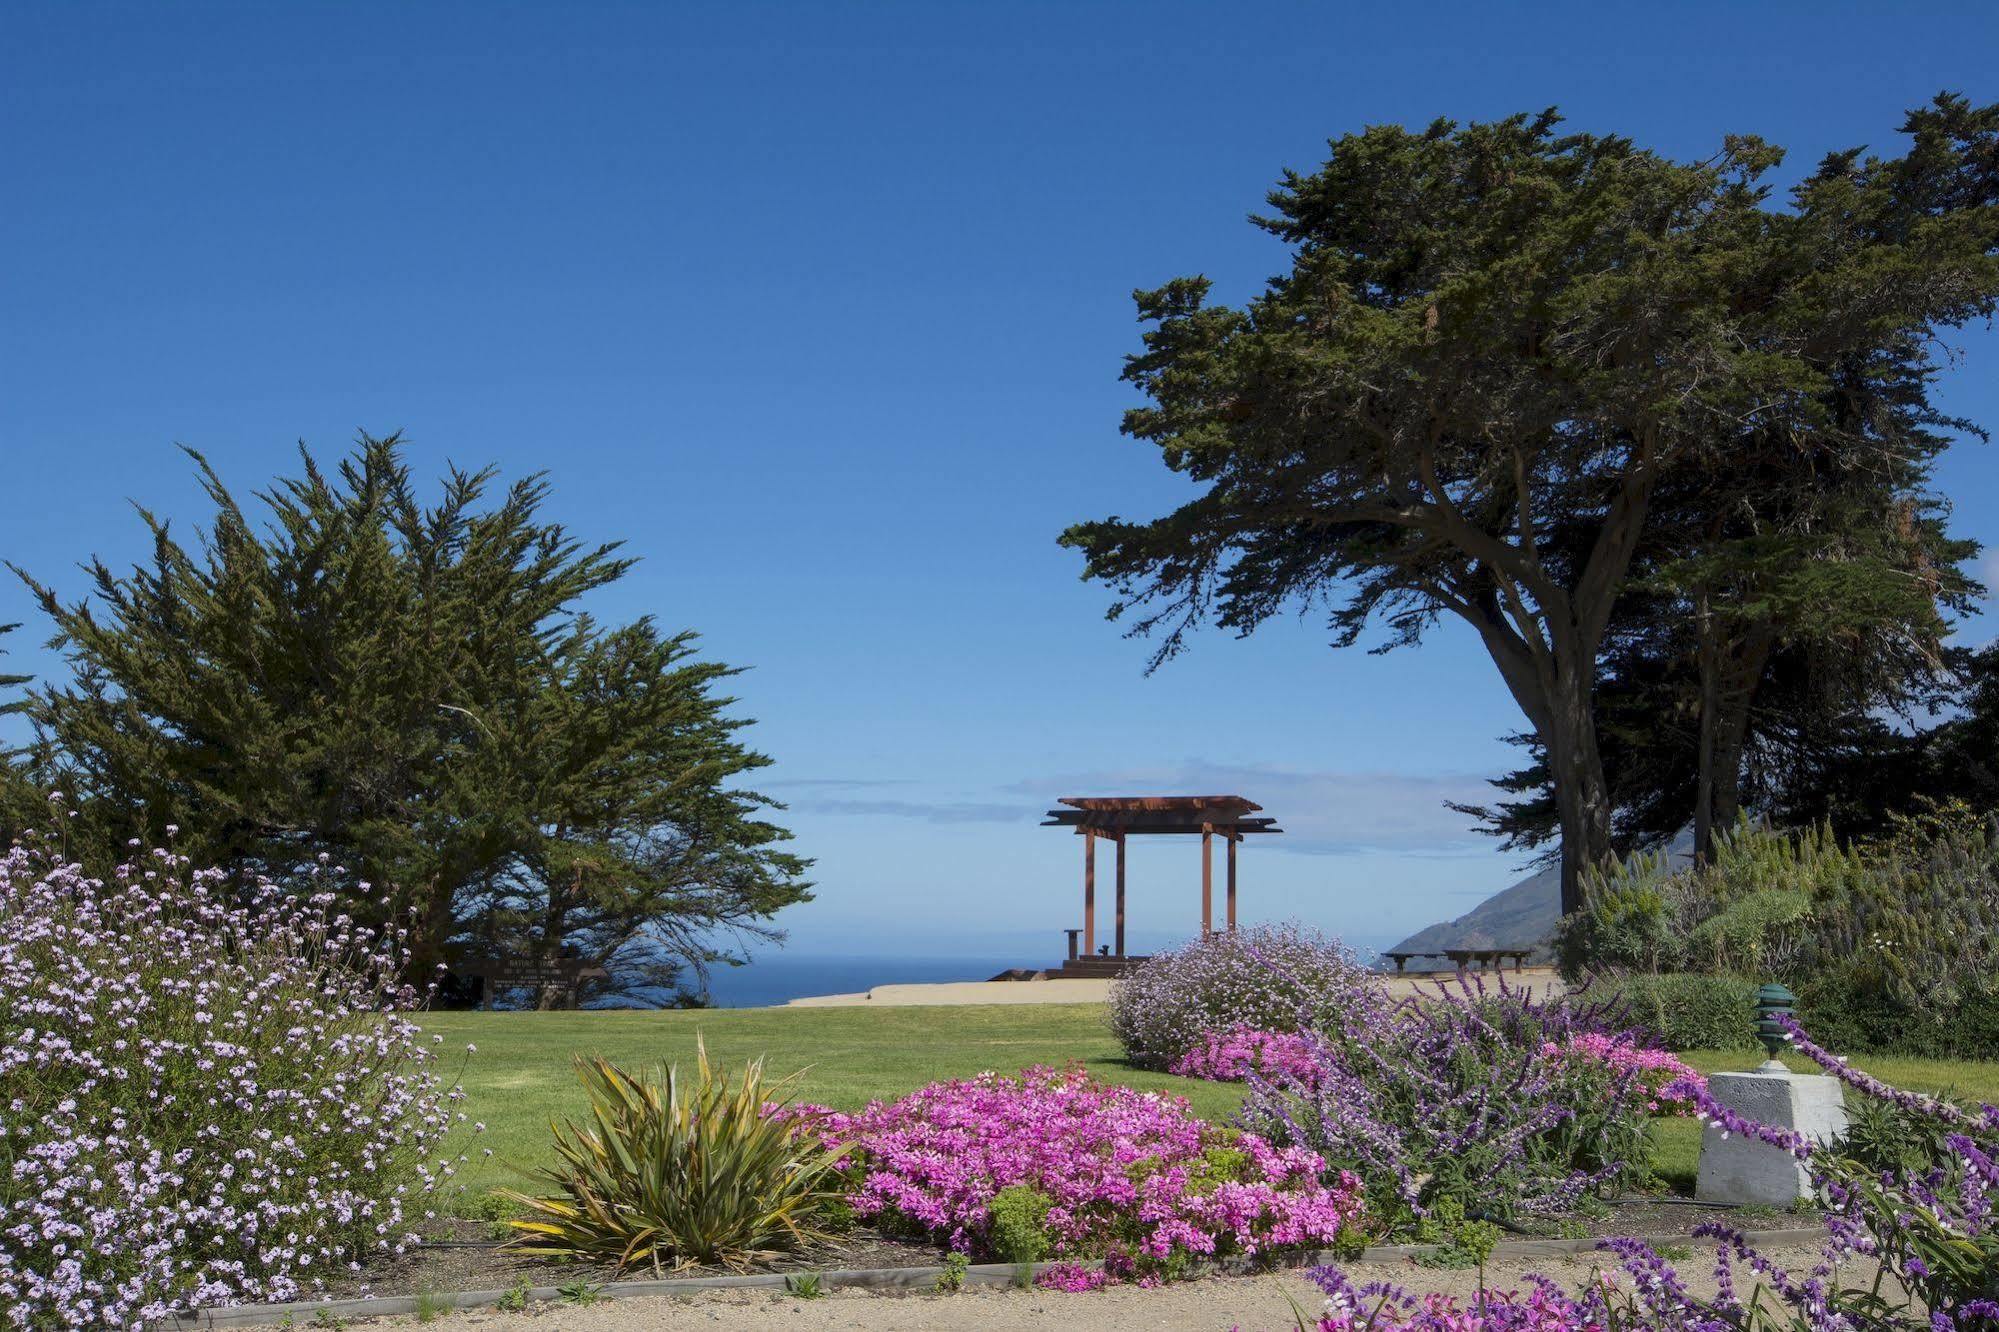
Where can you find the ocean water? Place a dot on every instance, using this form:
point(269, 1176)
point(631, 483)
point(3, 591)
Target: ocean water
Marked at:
point(773, 978)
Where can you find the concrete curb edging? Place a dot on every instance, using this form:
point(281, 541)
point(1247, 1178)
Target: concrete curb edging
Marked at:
point(867, 1278)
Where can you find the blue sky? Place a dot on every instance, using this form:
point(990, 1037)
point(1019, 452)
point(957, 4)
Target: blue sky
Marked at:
point(821, 308)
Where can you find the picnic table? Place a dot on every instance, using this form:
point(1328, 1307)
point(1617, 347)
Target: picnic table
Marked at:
point(1464, 957)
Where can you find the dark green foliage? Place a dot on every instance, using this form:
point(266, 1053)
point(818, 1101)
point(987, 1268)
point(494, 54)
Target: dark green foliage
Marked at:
point(414, 692)
point(1889, 946)
point(1510, 371)
point(1848, 1010)
point(21, 802)
point(1685, 1012)
point(1019, 1215)
point(1883, 1136)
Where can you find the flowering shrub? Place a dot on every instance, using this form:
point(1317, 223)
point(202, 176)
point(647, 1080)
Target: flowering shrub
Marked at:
point(207, 1101)
point(1232, 1055)
point(1467, 1098)
point(1933, 1229)
point(1266, 977)
point(1670, 1082)
point(1118, 1171)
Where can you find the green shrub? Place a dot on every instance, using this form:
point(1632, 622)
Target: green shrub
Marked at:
point(1890, 1139)
point(952, 1278)
point(671, 1174)
point(1889, 946)
point(1020, 1224)
point(1685, 1012)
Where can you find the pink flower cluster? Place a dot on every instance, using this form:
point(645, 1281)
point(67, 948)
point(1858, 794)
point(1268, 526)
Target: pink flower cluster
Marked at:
point(1123, 1170)
point(204, 1098)
point(1671, 1083)
point(1073, 1278)
point(1232, 1055)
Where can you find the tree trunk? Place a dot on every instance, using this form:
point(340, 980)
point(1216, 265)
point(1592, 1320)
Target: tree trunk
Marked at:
point(1582, 797)
point(1707, 654)
point(1730, 675)
point(1556, 689)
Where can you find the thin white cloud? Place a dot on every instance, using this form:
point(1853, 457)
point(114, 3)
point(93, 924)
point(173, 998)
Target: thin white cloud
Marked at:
point(1326, 812)
point(930, 811)
point(1322, 813)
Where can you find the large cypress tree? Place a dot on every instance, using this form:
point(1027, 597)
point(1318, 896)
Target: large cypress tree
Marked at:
point(411, 691)
point(1496, 349)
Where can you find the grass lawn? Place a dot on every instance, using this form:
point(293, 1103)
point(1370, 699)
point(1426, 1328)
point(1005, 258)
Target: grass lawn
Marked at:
point(1676, 1143)
point(520, 1078)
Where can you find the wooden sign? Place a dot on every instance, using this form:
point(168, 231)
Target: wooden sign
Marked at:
point(533, 971)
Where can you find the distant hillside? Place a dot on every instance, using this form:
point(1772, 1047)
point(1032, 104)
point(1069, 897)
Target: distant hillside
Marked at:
point(1522, 916)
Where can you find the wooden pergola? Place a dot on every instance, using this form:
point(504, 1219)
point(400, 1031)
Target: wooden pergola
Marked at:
point(1118, 817)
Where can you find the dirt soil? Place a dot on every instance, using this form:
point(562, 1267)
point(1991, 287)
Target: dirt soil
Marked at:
point(1216, 1304)
point(1640, 1215)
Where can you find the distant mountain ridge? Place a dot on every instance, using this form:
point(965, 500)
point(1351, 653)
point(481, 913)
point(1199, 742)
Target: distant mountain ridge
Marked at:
point(1522, 916)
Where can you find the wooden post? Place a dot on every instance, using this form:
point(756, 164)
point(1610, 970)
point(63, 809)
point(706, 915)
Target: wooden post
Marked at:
point(1207, 878)
point(1089, 892)
point(1233, 839)
point(1120, 894)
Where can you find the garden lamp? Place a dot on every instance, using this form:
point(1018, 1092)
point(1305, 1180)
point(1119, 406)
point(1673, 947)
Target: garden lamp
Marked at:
point(1773, 1002)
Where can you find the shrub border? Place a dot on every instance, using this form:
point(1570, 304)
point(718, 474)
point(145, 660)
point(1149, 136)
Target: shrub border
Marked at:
point(875, 1278)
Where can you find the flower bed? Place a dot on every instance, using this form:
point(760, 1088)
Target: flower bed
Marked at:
point(209, 1098)
point(1930, 1220)
point(1112, 1172)
point(1464, 1101)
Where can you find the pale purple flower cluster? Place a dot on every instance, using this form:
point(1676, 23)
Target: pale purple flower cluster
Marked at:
point(205, 1098)
point(1233, 1055)
point(1126, 1171)
point(1266, 977)
point(1382, 1306)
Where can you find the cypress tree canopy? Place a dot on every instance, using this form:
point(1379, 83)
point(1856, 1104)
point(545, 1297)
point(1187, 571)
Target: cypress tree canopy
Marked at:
point(412, 691)
point(1502, 354)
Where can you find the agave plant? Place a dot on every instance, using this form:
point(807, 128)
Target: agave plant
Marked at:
point(672, 1171)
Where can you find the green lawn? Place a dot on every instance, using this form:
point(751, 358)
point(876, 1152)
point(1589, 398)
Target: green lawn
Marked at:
point(520, 1077)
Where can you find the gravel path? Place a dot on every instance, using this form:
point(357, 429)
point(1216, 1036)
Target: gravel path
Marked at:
point(1215, 1304)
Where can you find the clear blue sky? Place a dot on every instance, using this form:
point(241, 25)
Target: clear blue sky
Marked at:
point(822, 308)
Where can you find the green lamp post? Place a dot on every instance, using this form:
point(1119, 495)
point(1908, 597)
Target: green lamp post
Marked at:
point(1773, 1002)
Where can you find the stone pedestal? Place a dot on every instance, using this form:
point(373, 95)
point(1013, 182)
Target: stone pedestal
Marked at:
point(1743, 1171)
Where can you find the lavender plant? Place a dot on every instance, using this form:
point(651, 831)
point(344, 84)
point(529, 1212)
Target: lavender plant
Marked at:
point(1462, 1102)
point(206, 1097)
point(1930, 1229)
point(1266, 977)
point(1931, 1224)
